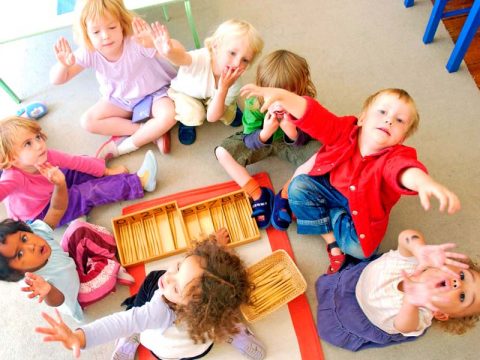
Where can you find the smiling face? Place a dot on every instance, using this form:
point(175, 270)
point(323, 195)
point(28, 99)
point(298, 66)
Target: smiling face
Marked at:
point(463, 298)
point(233, 52)
point(106, 35)
point(29, 149)
point(25, 251)
point(384, 123)
point(176, 281)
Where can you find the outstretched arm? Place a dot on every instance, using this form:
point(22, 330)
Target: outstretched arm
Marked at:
point(59, 331)
point(38, 286)
point(65, 68)
point(59, 200)
point(417, 180)
point(292, 103)
point(412, 243)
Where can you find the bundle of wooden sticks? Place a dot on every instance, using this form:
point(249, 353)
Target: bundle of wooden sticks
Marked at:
point(276, 280)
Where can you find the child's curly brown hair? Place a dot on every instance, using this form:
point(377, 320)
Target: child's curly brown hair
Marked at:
point(214, 311)
point(460, 325)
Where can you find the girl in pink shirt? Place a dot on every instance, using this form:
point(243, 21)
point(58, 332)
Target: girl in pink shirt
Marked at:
point(26, 193)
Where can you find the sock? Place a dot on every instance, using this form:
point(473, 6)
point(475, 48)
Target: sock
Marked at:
point(252, 188)
point(284, 192)
point(126, 146)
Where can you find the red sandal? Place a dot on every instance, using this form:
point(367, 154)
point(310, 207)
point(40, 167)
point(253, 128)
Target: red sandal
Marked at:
point(336, 261)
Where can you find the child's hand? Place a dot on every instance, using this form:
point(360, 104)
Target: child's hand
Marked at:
point(142, 32)
point(115, 170)
point(63, 52)
point(423, 293)
point(446, 198)
point(437, 256)
point(59, 331)
point(270, 123)
point(37, 286)
point(269, 95)
point(222, 236)
point(228, 77)
point(161, 38)
point(52, 173)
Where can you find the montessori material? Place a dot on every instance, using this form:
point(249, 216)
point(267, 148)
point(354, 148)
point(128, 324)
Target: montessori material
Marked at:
point(276, 280)
point(165, 230)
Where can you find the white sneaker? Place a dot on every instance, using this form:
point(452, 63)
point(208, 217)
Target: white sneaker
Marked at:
point(124, 278)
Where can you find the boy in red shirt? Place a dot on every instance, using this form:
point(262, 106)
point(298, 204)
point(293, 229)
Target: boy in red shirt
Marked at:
point(359, 173)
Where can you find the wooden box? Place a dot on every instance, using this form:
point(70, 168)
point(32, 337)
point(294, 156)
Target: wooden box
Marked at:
point(166, 229)
point(150, 234)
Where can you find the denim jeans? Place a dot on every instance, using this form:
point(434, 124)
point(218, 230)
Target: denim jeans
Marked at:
point(321, 209)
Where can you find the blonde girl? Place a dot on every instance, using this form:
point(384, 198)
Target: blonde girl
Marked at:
point(270, 133)
point(178, 312)
point(26, 193)
point(127, 73)
point(206, 86)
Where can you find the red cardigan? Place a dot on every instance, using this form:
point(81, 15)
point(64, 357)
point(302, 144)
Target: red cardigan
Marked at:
point(371, 184)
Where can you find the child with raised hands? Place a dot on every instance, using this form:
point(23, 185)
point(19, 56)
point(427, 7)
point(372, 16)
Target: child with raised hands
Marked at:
point(127, 73)
point(30, 252)
point(347, 189)
point(26, 193)
point(207, 86)
point(395, 297)
point(269, 134)
point(178, 313)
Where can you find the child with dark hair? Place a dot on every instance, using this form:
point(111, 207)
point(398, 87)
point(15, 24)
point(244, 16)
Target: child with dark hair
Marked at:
point(30, 251)
point(178, 313)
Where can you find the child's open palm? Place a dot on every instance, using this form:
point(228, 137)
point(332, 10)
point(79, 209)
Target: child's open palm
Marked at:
point(161, 39)
point(64, 53)
point(59, 331)
point(423, 293)
point(438, 256)
point(37, 286)
point(142, 32)
point(52, 173)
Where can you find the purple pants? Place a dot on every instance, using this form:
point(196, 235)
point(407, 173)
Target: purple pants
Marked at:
point(87, 191)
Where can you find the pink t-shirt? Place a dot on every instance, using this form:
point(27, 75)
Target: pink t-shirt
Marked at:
point(25, 195)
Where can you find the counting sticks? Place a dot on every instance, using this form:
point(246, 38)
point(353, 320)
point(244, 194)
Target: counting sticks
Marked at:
point(276, 280)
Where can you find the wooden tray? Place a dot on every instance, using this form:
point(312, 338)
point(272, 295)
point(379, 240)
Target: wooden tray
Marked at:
point(231, 211)
point(276, 281)
point(165, 230)
point(150, 234)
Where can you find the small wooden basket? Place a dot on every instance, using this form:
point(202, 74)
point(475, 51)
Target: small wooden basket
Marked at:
point(166, 229)
point(276, 281)
point(150, 234)
point(231, 211)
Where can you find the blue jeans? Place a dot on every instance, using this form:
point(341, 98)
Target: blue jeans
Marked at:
point(321, 209)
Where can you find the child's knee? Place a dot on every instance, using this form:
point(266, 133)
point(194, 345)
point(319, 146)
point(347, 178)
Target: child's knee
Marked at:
point(297, 186)
point(88, 122)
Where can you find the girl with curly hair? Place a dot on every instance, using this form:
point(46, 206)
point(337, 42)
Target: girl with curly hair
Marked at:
point(177, 313)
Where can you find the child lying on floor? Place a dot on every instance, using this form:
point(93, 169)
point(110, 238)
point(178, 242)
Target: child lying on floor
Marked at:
point(395, 297)
point(177, 313)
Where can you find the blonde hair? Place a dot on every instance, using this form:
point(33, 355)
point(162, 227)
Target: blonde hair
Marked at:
point(286, 70)
point(402, 95)
point(9, 128)
point(460, 325)
point(236, 28)
point(94, 9)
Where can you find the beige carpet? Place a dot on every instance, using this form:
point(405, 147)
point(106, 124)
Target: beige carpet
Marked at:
point(354, 47)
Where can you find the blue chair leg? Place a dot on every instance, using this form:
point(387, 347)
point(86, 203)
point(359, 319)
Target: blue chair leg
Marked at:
point(408, 3)
point(434, 20)
point(465, 38)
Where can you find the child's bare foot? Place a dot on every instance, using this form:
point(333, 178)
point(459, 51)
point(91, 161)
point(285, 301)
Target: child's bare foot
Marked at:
point(115, 170)
point(222, 236)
